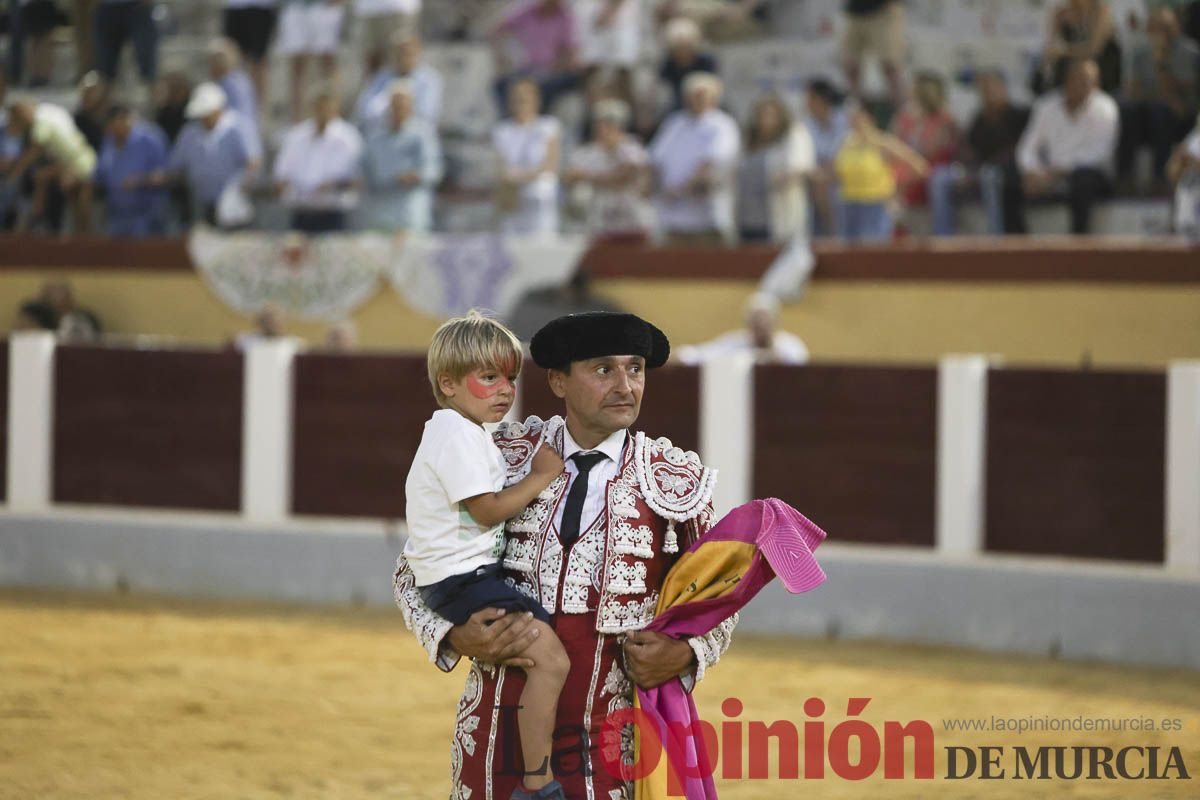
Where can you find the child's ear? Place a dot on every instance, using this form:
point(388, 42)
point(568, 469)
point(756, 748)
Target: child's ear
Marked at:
point(446, 385)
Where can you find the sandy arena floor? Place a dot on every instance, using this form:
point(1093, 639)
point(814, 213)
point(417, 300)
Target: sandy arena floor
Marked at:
point(110, 696)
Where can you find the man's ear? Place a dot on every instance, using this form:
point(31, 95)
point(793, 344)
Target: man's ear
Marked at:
point(446, 385)
point(558, 382)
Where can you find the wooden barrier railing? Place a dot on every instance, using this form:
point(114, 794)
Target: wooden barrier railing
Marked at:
point(156, 428)
point(1075, 462)
point(852, 446)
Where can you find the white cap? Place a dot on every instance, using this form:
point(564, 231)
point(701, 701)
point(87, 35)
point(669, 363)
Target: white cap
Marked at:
point(206, 98)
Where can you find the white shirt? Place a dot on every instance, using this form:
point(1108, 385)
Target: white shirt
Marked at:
point(524, 147)
point(598, 477)
point(307, 160)
point(786, 348)
point(614, 210)
point(1054, 139)
point(684, 145)
point(370, 8)
point(456, 459)
point(616, 43)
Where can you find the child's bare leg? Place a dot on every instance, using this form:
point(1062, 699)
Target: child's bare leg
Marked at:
point(539, 704)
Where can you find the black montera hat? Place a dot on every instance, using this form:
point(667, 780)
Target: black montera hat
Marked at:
point(576, 337)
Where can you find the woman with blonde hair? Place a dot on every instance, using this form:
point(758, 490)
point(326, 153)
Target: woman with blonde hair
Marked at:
point(772, 177)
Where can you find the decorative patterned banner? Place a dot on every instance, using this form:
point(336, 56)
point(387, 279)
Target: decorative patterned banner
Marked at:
point(328, 277)
point(448, 275)
point(321, 277)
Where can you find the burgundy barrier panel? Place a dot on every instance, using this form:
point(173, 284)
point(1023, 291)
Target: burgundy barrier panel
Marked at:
point(159, 428)
point(3, 419)
point(357, 423)
point(1075, 463)
point(853, 448)
point(670, 403)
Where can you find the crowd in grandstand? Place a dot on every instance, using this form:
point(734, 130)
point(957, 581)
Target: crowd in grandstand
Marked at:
point(184, 150)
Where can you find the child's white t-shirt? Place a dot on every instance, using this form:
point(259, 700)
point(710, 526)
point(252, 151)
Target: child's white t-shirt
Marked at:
point(456, 459)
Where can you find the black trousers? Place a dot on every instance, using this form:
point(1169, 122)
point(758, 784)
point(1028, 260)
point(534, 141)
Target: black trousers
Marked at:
point(1085, 187)
point(318, 221)
point(1152, 124)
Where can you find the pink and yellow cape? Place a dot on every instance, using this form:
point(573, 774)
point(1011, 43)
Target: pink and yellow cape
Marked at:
point(719, 574)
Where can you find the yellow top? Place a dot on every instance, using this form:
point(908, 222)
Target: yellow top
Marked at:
point(863, 172)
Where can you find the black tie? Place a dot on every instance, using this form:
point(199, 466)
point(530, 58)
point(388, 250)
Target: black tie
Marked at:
point(574, 507)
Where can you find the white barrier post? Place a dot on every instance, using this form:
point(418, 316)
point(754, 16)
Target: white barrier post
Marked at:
point(30, 419)
point(727, 427)
point(1183, 466)
point(961, 454)
point(267, 429)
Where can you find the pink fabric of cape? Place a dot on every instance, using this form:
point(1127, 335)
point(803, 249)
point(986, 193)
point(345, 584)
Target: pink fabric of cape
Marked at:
point(784, 540)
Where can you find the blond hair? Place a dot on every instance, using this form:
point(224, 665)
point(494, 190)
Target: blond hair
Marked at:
point(464, 344)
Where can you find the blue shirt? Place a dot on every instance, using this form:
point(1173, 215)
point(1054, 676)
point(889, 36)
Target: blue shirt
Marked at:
point(390, 153)
point(209, 160)
point(133, 212)
point(827, 140)
point(372, 108)
point(239, 94)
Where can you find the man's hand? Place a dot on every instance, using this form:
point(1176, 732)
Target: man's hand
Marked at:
point(501, 642)
point(652, 659)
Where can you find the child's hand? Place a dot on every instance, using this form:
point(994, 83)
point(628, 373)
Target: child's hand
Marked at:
point(546, 462)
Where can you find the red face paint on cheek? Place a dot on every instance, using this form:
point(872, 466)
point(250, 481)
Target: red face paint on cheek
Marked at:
point(482, 391)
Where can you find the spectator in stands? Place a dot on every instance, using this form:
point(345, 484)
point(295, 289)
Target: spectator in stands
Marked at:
point(83, 32)
point(1069, 144)
point(118, 22)
point(992, 151)
point(10, 151)
point(224, 69)
point(543, 33)
point(612, 172)
point(402, 165)
point(210, 154)
point(308, 29)
point(720, 20)
point(528, 148)
point(59, 155)
point(609, 43)
point(875, 27)
point(1161, 97)
point(927, 127)
point(250, 24)
point(171, 97)
point(1080, 29)
point(684, 57)
point(772, 198)
point(1183, 170)
point(318, 171)
point(695, 156)
point(828, 123)
point(39, 19)
point(378, 22)
point(425, 83)
point(761, 338)
point(133, 149)
point(92, 110)
point(864, 168)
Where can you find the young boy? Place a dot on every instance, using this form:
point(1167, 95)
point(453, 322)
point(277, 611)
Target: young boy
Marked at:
point(457, 505)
